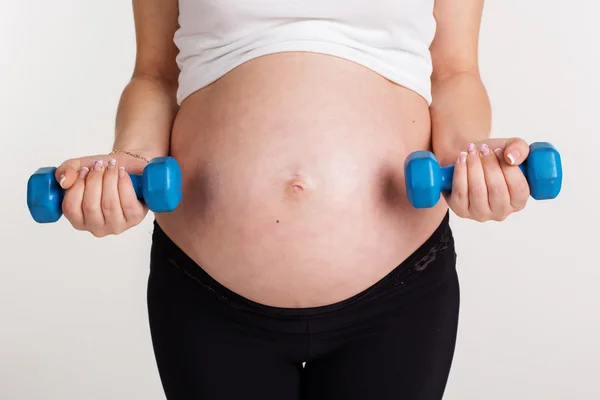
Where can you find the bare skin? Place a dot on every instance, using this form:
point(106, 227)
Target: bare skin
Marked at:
point(292, 163)
point(292, 198)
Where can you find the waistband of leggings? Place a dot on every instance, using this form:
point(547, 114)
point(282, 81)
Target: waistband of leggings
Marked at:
point(170, 250)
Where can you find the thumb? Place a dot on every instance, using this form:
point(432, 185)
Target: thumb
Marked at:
point(516, 151)
point(66, 174)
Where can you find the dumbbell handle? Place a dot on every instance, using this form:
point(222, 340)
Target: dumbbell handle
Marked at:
point(447, 175)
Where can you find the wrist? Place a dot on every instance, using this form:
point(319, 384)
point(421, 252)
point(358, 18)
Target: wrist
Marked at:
point(146, 153)
point(130, 154)
point(460, 114)
point(448, 145)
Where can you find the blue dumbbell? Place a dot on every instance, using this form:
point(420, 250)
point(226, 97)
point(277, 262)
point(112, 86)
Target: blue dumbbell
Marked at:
point(425, 179)
point(159, 187)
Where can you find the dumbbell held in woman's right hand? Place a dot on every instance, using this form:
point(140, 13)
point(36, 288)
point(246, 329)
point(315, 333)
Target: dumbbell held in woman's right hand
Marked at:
point(159, 187)
point(425, 179)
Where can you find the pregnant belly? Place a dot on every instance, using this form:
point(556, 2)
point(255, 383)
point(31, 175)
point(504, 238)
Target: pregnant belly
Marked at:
point(293, 190)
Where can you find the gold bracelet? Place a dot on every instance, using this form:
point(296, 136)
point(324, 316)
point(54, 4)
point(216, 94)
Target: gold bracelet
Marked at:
point(129, 153)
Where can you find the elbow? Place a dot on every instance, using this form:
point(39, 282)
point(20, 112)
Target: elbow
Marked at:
point(441, 76)
point(168, 83)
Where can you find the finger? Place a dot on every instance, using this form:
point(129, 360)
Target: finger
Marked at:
point(111, 204)
point(516, 151)
point(479, 207)
point(133, 210)
point(459, 197)
point(516, 147)
point(92, 209)
point(66, 174)
point(498, 195)
point(72, 202)
point(518, 188)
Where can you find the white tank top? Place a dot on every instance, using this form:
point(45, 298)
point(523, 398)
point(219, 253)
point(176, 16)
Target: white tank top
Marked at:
point(390, 37)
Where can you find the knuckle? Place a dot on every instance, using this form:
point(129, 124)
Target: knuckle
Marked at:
point(519, 206)
point(479, 216)
point(89, 207)
point(70, 206)
point(478, 191)
point(111, 232)
point(460, 194)
point(497, 190)
point(98, 233)
point(68, 163)
point(118, 231)
point(521, 142)
point(134, 211)
point(500, 217)
point(110, 205)
point(128, 205)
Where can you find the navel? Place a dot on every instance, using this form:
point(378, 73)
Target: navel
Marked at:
point(298, 187)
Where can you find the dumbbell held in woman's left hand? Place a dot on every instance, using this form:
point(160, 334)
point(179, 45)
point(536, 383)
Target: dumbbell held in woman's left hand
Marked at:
point(425, 179)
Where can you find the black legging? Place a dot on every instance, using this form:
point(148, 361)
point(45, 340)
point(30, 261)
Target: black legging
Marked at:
point(393, 341)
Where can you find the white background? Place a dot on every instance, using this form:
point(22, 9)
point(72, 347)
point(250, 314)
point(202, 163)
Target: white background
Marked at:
point(73, 322)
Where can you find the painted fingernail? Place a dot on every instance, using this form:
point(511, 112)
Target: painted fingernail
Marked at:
point(471, 148)
point(61, 180)
point(112, 163)
point(513, 157)
point(121, 172)
point(462, 157)
point(98, 165)
point(83, 172)
point(484, 149)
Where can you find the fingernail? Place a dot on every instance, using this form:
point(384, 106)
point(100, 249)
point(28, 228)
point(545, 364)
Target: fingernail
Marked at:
point(121, 172)
point(462, 157)
point(484, 149)
point(112, 163)
point(513, 157)
point(98, 165)
point(83, 172)
point(471, 148)
point(498, 153)
point(61, 180)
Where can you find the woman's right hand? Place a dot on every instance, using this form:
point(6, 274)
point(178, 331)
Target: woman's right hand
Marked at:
point(99, 195)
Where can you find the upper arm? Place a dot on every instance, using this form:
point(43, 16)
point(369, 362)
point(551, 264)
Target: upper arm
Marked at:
point(455, 46)
point(155, 24)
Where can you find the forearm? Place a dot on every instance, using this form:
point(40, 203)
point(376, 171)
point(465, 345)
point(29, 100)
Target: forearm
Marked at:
point(145, 116)
point(460, 114)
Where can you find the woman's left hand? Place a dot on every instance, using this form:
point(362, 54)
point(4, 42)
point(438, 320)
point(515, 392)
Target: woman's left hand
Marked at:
point(488, 184)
